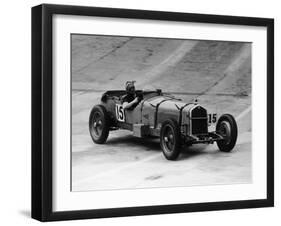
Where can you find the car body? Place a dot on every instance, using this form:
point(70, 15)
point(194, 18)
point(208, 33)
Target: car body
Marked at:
point(162, 115)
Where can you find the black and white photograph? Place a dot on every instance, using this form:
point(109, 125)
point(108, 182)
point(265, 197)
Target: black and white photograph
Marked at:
point(159, 112)
point(141, 112)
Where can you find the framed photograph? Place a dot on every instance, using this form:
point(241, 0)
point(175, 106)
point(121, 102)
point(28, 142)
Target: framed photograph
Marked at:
point(145, 112)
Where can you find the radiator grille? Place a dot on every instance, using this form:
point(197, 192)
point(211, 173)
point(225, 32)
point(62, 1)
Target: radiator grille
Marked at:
point(199, 123)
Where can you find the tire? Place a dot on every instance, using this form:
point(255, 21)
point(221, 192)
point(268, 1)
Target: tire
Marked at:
point(99, 124)
point(227, 128)
point(170, 139)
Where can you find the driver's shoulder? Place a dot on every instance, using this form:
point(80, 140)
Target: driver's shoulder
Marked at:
point(124, 98)
point(127, 98)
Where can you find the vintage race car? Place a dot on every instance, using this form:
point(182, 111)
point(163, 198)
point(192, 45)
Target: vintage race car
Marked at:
point(162, 115)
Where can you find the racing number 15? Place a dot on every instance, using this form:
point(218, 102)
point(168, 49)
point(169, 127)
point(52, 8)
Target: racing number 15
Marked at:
point(212, 118)
point(120, 115)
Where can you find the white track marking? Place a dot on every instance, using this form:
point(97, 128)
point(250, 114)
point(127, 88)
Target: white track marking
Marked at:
point(243, 113)
point(77, 93)
point(171, 60)
point(244, 54)
point(234, 66)
point(156, 155)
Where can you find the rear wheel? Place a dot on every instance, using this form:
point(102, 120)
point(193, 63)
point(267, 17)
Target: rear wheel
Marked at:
point(227, 128)
point(170, 139)
point(99, 124)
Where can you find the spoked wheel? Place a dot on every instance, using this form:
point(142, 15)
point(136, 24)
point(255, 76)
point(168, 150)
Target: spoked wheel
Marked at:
point(170, 139)
point(99, 124)
point(227, 128)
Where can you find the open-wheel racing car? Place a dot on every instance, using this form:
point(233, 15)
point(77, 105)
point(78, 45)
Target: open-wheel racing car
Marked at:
point(165, 116)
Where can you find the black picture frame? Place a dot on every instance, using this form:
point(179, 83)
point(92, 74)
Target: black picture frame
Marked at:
point(42, 107)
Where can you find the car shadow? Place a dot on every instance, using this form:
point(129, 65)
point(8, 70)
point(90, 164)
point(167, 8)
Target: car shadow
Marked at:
point(153, 144)
point(148, 143)
point(188, 152)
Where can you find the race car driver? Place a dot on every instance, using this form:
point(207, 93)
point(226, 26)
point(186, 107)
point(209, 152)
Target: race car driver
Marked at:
point(130, 100)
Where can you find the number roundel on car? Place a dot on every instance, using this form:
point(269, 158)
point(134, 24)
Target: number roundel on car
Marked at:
point(212, 118)
point(120, 114)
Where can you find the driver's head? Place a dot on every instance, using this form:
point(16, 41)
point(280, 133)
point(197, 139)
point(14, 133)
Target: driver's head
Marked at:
point(130, 87)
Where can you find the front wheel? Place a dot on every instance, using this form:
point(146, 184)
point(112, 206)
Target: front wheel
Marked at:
point(170, 139)
point(99, 124)
point(227, 128)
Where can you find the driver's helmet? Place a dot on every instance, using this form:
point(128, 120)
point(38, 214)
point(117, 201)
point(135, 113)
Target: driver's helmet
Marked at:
point(130, 87)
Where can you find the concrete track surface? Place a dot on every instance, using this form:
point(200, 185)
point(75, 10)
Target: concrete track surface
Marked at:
point(218, 74)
